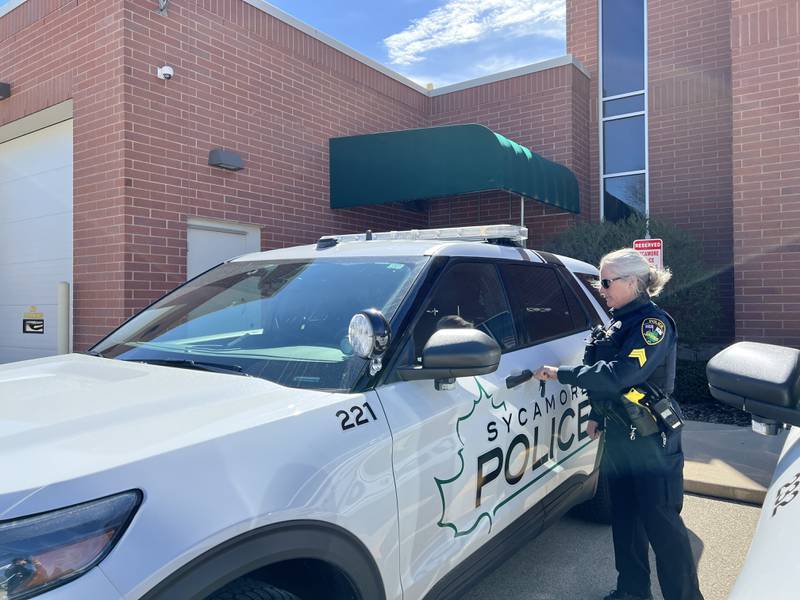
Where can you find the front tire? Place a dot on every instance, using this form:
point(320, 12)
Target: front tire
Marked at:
point(248, 588)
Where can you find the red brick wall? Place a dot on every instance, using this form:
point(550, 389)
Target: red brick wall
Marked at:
point(249, 83)
point(582, 44)
point(546, 111)
point(689, 114)
point(690, 130)
point(765, 40)
point(243, 81)
point(51, 51)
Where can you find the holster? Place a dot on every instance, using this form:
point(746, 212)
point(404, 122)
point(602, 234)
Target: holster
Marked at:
point(654, 411)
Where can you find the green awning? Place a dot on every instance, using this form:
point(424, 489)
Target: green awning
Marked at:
point(415, 164)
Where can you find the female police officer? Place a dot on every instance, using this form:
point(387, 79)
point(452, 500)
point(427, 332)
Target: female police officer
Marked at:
point(644, 465)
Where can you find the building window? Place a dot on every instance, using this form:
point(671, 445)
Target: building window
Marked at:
point(623, 108)
point(623, 145)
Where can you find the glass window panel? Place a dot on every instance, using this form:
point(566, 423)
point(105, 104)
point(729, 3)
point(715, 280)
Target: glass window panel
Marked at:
point(623, 197)
point(623, 145)
point(473, 292)
point(623, 46)
point(540, 307)
point(623, 106)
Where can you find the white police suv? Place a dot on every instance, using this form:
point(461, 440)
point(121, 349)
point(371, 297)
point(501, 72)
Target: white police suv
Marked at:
point(764, 380)
point(351, 419)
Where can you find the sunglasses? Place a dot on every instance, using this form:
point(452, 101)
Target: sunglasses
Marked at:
point(606, 283)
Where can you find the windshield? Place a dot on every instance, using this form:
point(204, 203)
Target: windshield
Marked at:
point(285, 321)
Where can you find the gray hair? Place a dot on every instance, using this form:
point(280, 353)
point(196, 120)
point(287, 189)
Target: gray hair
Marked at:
point(628, 262)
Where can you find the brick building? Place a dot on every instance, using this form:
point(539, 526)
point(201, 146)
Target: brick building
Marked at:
point(122, 155)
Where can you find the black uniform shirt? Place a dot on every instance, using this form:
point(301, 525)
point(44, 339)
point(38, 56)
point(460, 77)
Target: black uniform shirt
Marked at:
point(641, 347)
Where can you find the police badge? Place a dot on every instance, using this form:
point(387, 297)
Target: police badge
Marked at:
point(653, 331)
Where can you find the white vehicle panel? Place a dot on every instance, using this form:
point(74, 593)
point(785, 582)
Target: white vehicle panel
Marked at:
point(241, 452)
point(395, 248)
point(772, 558)
point(422, 478)
point(442, 439)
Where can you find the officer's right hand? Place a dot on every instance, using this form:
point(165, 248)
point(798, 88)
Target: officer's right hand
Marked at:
point(591, 429)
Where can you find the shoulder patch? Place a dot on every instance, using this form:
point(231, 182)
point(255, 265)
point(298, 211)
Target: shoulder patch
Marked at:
point(653, 331)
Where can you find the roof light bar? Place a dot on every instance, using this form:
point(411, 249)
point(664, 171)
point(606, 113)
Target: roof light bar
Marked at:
point(474, 233)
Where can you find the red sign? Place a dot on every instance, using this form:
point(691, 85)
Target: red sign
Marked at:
point(652, 250)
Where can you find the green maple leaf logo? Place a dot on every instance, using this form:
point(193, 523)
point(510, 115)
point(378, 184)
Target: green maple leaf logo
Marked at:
point(440, 483)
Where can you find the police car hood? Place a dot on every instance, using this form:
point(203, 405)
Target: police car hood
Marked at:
point(68, 416)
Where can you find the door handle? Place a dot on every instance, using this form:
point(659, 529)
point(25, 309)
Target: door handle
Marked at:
point(515, 380)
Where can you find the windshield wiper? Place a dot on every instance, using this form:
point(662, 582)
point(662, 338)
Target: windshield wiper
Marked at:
point(193, 364)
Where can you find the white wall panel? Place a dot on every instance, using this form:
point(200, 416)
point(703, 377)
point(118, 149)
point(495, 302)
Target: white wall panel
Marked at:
point(209, 243)
point(35, 236)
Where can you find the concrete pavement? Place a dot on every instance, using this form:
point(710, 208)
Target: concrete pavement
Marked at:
point(729, 462)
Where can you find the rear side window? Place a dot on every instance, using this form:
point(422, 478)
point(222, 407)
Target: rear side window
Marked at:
point(472, 292)
point(537, 299)
point(590, 283)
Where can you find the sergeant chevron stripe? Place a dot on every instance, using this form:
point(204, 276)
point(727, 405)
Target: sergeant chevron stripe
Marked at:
point(640, 355)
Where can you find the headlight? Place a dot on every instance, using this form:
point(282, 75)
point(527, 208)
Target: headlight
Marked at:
point(368, 333)
point(43, 551)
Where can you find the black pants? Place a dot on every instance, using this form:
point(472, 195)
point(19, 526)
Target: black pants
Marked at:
point(646, 484)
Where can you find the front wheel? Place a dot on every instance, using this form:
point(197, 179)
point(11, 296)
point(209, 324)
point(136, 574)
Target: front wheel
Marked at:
point(247, 588)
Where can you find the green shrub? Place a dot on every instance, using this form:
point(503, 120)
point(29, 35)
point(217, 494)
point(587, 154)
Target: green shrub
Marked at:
point(691, 384)
point(690, 297)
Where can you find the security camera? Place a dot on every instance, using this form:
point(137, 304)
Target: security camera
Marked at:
point(165, 72)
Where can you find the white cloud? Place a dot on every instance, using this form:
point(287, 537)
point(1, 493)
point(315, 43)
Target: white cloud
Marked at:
point(486, 65)
point(464, 21)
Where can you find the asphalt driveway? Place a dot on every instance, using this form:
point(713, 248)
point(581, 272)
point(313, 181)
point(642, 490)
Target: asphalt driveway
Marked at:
point(574, 559)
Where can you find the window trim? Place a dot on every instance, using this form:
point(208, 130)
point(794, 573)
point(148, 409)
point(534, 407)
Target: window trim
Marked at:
point(601, 119)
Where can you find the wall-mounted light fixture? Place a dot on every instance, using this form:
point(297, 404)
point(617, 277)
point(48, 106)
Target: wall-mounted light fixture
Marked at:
point(5, 90)
point(225, 159)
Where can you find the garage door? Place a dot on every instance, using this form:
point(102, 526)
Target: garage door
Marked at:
point(35, 239)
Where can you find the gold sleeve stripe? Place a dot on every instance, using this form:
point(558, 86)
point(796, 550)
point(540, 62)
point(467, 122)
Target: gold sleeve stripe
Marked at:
point(640, 355)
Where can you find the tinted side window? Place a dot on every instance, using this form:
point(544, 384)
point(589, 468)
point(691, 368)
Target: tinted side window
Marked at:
point(590, 282)
point(576, 310)
point(537, 299)
point(589, 317)
point(473, 292)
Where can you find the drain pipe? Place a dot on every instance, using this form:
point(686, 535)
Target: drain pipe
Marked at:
point(63, 318)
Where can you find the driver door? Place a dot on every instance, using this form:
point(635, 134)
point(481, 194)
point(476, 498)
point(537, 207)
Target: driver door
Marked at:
point(464, 459)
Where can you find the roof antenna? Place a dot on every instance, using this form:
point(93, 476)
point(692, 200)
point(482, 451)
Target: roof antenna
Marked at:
point(369, 234)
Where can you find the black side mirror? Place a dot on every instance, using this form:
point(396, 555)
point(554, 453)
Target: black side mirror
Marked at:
point(761, 379)
point(452, 353)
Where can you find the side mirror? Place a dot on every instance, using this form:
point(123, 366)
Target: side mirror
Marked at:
point(761, 379)
point(452, 353)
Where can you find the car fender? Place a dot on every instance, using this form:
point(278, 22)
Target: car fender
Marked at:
point(269, 545)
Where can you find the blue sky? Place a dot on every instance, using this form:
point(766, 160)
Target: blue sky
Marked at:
point(440, 41)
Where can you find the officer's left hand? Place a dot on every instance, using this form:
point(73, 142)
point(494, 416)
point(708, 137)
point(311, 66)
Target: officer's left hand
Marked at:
point(546, 373)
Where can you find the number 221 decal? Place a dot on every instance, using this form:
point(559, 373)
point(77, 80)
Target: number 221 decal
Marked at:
point(361, 418)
